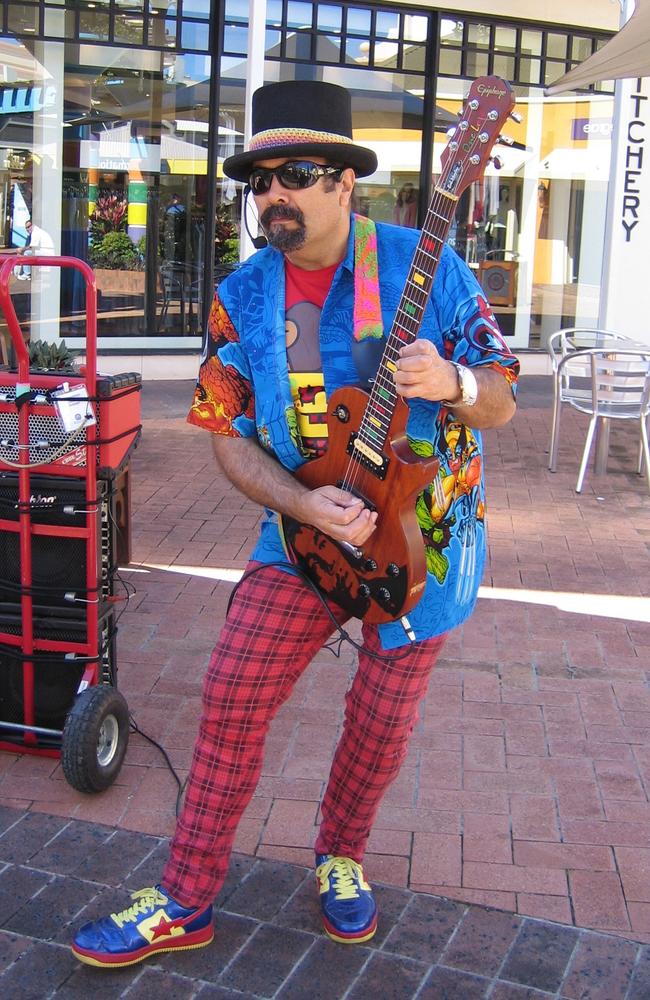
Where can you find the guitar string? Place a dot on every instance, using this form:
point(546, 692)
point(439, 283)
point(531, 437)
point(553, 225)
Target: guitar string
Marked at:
point(419, 298)
point(410, 323)
point(406, 321)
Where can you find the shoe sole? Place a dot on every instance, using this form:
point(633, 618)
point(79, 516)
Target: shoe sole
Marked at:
point(365, 935)
point(196, 939)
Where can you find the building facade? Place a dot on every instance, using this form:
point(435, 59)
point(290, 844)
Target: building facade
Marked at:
point(116, 115)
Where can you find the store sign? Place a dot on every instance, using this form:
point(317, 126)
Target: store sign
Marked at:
point(591, 128)
point(625, 267)
point(20, 100)
point(636, 133)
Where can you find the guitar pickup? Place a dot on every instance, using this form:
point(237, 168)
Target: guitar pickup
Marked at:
point(372, 460)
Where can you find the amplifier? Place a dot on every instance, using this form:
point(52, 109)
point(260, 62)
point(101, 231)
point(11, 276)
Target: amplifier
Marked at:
point(498, 279)
point(57, 675)
point(117, 410)
point(59, 561)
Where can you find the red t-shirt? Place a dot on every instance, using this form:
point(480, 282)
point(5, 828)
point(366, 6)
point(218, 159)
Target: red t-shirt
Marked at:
point(305, 293)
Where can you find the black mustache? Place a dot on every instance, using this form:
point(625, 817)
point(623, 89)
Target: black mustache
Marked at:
point(281, 212)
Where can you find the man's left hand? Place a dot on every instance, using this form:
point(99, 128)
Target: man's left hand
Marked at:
point(422, 372)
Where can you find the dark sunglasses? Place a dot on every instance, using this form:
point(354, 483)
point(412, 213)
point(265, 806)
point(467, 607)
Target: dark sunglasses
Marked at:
point(294, 175)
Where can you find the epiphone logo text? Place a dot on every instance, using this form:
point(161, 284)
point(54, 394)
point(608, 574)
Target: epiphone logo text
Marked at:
point(491, 91)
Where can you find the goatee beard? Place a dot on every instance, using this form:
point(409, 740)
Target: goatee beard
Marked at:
point(280, 237)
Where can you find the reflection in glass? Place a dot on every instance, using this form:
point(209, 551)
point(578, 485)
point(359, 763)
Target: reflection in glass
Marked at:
point(359, 21)
point(329, 18)
point(556, 45)
point(505, 38)
point(299, 15)
point(328, 48)
point(387, 24)
point(504, 66)
point(531, 42)
point(415, 28)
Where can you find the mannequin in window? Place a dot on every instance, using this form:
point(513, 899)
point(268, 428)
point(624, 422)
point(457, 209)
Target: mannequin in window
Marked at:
point(405, 212)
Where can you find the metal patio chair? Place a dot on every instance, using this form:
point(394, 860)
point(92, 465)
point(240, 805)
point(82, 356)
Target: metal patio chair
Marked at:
point(568, 349)
point(620, 390)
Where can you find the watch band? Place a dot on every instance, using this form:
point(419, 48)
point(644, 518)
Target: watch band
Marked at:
point(467, 384)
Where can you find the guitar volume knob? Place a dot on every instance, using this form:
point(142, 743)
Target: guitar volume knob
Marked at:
point(392, 569)
point(364, 590)
point(384, 595)
point(370, 565)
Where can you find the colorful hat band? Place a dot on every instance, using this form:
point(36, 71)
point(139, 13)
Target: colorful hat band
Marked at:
point(294, 137)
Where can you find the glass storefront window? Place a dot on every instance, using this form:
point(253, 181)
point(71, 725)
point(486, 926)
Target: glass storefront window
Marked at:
point(556, 45)
point(22, 17)
point(299, 15)
point(328, 48)
point(273, 11)
point(531, 42)
point(450, 62)
point(358, 21)
point(504, 66)
point(414, 58)
point(329, 18)
point(106, 147)
point(235, 38)
point(505, 38)
point(122, 185)
point(387, 24)
point(533, 231)
point(580, 48)
point(479, 35)
point(197, 8)
point(415, 28)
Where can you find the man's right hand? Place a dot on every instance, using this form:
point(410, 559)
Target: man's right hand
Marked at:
point(338, 514)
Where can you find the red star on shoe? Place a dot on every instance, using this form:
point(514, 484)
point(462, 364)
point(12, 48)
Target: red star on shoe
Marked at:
point(163, 928)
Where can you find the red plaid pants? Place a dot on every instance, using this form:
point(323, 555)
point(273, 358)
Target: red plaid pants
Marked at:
point(275, 626)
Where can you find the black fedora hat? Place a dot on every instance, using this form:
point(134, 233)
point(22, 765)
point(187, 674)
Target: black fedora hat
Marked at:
point(301, 118)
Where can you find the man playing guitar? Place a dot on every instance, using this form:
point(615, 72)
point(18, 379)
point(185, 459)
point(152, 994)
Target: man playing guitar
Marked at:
point(300, 320)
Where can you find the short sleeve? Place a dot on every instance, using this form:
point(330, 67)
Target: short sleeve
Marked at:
point(471, 333)
point(223, 401)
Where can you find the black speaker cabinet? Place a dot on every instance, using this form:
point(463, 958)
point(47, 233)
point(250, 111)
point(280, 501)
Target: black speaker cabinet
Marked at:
point(56, 675)
point(58, 561)
point(498, 279)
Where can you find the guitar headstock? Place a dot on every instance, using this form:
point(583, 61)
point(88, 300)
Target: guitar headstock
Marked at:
point(489, 104)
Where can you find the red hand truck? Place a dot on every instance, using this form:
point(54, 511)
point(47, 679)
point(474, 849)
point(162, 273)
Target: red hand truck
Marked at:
point(58, 541)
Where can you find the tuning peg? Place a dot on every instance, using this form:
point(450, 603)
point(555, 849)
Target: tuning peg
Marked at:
point(496, 162)
point(507, 140)
point(516, 117)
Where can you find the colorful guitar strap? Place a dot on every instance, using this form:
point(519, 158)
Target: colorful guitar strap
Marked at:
point(367, 303)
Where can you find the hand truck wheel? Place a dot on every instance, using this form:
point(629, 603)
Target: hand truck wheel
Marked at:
point(95, 738)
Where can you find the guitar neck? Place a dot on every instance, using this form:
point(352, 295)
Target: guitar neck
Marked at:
point(408, 317)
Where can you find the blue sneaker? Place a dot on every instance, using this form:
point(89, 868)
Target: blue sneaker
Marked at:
point(154, 923)
point(348, 907)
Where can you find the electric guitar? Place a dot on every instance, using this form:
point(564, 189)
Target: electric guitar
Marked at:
point(368, 453)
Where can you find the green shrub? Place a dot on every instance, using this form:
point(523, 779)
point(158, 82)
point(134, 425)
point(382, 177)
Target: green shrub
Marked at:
point(53, 357)
point(116, 250)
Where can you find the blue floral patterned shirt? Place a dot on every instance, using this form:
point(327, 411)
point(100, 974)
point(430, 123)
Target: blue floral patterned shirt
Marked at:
point(243, 390)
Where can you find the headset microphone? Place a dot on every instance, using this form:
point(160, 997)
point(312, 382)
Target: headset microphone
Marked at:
point(259, 242)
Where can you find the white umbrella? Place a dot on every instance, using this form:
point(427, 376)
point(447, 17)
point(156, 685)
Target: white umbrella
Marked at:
point(627, 54)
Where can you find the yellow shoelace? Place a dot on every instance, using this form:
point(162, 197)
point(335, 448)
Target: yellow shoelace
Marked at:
point(346, 875)
point(145, 899)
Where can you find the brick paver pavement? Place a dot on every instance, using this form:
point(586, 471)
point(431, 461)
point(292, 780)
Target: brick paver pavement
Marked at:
point(526, 787)
point(55, 873)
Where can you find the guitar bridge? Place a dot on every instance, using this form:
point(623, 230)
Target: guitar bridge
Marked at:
point(371, 460)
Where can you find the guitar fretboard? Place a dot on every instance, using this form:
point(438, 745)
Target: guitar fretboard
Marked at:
point(408, 317)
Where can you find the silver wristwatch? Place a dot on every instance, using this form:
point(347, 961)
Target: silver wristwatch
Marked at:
point(467, 384)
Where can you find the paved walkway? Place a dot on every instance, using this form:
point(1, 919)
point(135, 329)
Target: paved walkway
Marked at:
point(55, 873)
point(526, 787)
